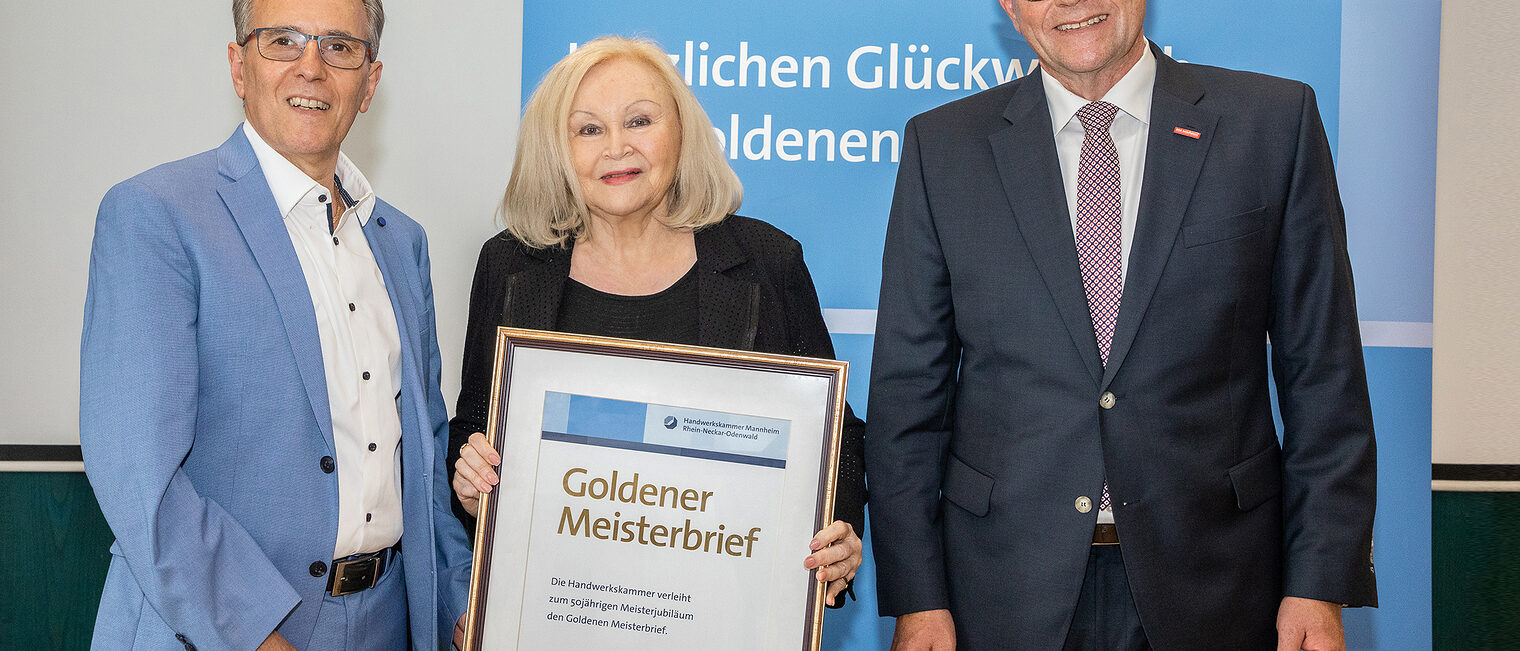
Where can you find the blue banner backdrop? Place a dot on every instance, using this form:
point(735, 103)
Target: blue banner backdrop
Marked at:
point(809, 99)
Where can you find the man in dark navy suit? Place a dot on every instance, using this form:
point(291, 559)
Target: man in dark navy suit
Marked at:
point(1071, 437)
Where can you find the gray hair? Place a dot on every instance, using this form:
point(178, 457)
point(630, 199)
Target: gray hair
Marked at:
point(243, 9)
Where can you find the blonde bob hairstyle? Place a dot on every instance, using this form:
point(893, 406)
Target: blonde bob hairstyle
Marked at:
point(543, 205)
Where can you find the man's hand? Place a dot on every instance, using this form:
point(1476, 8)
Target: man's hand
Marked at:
point(276, 642)
point(1309, 624)
point(459, 632)
point(927, 630)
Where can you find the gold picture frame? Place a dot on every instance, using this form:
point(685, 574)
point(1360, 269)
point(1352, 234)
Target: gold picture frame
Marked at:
point(714, 435)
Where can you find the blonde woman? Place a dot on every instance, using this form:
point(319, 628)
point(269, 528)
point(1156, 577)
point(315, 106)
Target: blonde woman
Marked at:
point(620, 223)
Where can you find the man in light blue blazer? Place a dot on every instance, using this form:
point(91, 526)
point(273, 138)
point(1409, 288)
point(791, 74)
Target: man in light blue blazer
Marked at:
point(260, 412)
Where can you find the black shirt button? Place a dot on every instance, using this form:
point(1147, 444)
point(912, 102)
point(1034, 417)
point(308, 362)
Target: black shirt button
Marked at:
point(366, 375)
point(367, 516)
point(328, 465)
point(372, 447)
point(318, 568)
point(351, 307)
point(335, 241)
point(322, 198)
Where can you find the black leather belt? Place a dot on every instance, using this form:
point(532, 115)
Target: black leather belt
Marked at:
point(1105, 534)
point(359, 572)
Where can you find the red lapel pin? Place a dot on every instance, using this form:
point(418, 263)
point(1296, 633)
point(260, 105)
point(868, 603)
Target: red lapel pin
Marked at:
point(1187, 132)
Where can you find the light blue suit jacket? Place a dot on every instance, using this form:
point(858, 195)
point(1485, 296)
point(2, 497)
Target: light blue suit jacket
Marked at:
point(204, 415)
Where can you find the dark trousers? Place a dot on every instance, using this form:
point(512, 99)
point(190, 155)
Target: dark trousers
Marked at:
point(1105, 618)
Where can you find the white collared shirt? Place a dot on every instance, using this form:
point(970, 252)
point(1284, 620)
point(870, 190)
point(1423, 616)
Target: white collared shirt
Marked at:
point(1133, 97)
point(361, 346)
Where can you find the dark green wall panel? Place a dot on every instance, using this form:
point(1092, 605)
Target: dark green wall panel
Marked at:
point(53, 558)
point(1475, 549)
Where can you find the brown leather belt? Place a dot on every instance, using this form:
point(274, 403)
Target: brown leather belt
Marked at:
point(359, 572)
point(1105, 534)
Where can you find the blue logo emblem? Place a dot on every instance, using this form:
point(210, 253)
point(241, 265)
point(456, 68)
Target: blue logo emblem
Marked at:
point(670, 422)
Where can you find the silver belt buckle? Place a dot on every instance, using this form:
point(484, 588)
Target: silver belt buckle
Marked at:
point(350, 576)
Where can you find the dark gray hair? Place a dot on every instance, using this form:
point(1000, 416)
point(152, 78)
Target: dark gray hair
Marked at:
point(243, 9)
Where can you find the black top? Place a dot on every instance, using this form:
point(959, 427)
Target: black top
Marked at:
point(664, 316)
point(753, 292)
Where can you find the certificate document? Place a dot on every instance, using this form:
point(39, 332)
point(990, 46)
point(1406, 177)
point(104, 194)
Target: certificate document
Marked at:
point(653, 496)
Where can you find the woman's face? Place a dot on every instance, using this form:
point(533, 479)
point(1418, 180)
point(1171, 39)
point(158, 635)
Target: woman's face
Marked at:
point(625, 140)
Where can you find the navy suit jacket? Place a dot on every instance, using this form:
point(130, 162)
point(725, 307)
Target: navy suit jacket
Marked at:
point(985, 425)
point(204, 417)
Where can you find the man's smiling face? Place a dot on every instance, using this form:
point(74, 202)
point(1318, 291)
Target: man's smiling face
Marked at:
point(1087, 45)
point(304, 108)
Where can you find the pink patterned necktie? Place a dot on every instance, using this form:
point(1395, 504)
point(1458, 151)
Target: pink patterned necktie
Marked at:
point(1098, 229)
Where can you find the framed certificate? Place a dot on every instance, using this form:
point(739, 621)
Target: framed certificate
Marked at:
point(653, 496)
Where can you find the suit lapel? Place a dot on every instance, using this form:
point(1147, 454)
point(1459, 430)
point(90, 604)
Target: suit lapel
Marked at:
point(394, 261)
point(532, 296)
point(403, 294)
point(1172, 165)
point(728, 309)
point(248, 198)
point(1031, 175)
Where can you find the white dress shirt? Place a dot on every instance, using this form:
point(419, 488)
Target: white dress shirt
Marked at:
point(361, 346)
point(1133, 97)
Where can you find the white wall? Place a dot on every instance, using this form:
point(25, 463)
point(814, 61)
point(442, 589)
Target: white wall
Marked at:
point(1476, 372)
point(95, 92)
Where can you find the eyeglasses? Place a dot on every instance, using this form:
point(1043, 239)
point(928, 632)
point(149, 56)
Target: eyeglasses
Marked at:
point(285, 44)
